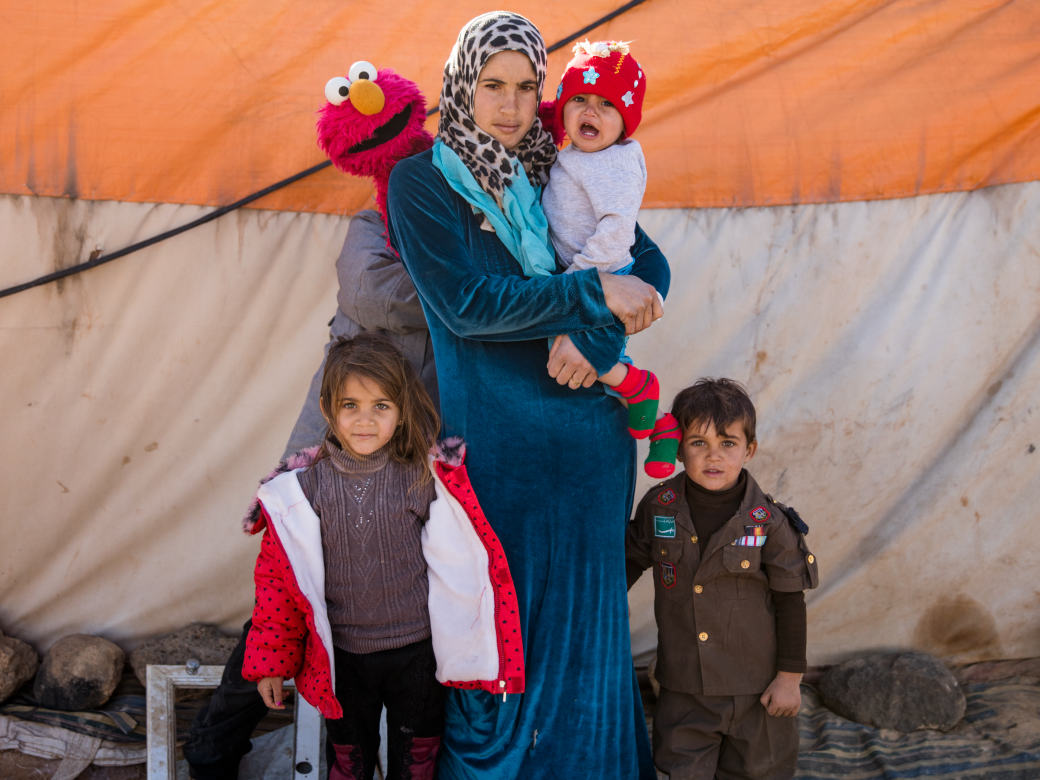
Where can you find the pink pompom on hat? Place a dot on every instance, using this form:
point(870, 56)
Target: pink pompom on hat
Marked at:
point(607, 69)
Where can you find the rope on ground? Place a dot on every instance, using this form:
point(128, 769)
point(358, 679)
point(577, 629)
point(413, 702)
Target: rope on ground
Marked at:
point(101, 260)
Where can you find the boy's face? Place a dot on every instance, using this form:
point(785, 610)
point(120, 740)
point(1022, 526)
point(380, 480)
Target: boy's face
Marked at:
point(592, 122)
point(713, 460)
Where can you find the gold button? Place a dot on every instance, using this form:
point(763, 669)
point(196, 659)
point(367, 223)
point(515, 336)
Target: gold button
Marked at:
point(698, 588)
point(703, 636)
point(693, 539)
point(811, 558)
point(665, 552)
point(747, 564)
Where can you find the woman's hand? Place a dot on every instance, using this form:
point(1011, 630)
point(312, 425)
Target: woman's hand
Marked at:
point(632, 301)
point(568, 366)
point(270, 689)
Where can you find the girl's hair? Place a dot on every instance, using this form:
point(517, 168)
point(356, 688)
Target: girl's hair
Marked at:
point(375, 357)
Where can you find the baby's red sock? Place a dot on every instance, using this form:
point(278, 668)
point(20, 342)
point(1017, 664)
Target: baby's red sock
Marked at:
point(664, 446)
point(643, 393)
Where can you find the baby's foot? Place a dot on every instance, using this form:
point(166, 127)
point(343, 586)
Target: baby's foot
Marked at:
point(664, 446)
point(643, 394)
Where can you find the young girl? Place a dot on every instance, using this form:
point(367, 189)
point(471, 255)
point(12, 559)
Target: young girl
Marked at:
point(591, 202)
point(341, 582)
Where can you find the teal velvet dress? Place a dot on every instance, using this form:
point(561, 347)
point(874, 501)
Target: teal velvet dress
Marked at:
point(554, 470)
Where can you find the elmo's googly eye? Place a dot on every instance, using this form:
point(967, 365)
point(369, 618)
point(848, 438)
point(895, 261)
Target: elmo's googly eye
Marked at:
point(337, 90)
point(362, 70)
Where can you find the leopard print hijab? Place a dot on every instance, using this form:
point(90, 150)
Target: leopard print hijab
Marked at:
point(489, 161)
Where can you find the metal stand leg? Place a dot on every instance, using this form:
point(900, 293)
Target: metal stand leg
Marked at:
point(306, 740)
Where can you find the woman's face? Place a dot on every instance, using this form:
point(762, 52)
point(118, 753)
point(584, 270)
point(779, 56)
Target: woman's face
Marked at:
point(506, 100)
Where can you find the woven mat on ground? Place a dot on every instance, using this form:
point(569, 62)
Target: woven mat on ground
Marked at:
point(52, 742)
point(999, 739)
point(121, 719)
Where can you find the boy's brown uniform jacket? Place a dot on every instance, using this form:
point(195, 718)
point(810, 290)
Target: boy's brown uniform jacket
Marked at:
point(715, 618)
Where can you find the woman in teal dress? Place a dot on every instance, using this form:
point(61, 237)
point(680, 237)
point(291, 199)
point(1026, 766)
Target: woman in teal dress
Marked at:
point(550, 458)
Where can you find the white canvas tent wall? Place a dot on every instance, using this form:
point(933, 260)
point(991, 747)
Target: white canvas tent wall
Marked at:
point(891, 347)
point(890, 342)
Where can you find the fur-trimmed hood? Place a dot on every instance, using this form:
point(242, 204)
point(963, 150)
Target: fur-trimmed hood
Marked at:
point(251, 523)
point(451, 451)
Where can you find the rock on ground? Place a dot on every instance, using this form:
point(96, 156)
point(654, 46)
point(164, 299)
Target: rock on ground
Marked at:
point(18, 664)
point(79, 672)
point(902, 691)
point(202, 642)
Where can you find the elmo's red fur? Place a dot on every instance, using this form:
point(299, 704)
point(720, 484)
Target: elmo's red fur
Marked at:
point(396, 132)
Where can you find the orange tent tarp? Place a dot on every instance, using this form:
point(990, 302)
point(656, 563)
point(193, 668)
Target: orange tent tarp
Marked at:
point(750, 102)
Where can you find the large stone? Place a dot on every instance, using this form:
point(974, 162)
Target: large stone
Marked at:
point(79, 672)
point(202, 642)
point(902, 691)
point(18, 664)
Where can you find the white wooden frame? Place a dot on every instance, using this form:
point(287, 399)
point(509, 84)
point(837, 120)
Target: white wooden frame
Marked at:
point(306, 740)
point(162, 721)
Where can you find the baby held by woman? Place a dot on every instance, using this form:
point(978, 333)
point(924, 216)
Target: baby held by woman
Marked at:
point(591, 203)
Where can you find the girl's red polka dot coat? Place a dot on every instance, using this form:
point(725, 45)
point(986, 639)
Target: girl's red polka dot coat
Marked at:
point(284, 620)
point(291, 636)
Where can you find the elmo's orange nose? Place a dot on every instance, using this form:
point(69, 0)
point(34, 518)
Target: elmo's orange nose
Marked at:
point(367, 97)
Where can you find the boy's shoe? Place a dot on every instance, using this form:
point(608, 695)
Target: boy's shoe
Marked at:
point(664, 446)
point(643, 394)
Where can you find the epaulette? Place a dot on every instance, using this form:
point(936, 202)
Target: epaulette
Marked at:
point(792, 515)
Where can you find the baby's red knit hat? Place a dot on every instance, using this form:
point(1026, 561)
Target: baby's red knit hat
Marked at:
point(605, 68)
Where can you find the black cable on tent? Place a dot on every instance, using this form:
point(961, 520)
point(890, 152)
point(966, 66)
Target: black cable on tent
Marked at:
point(586, 30)
point(76, 269)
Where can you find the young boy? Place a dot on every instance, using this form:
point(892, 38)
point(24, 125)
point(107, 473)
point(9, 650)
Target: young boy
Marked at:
point(591, 202)
point(730, 565)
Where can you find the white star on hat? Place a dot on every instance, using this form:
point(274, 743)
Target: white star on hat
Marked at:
point(627, 98)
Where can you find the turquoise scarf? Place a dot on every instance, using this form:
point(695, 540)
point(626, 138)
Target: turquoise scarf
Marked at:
point(522, 228)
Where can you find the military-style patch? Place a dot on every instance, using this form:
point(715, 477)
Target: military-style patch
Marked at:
point(760, 514)
point(667, 497)
point(668, 575)
point(664, 527)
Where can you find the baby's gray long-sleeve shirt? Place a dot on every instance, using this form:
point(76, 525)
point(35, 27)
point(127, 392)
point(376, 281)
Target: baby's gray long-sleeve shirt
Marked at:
point(592, 201)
